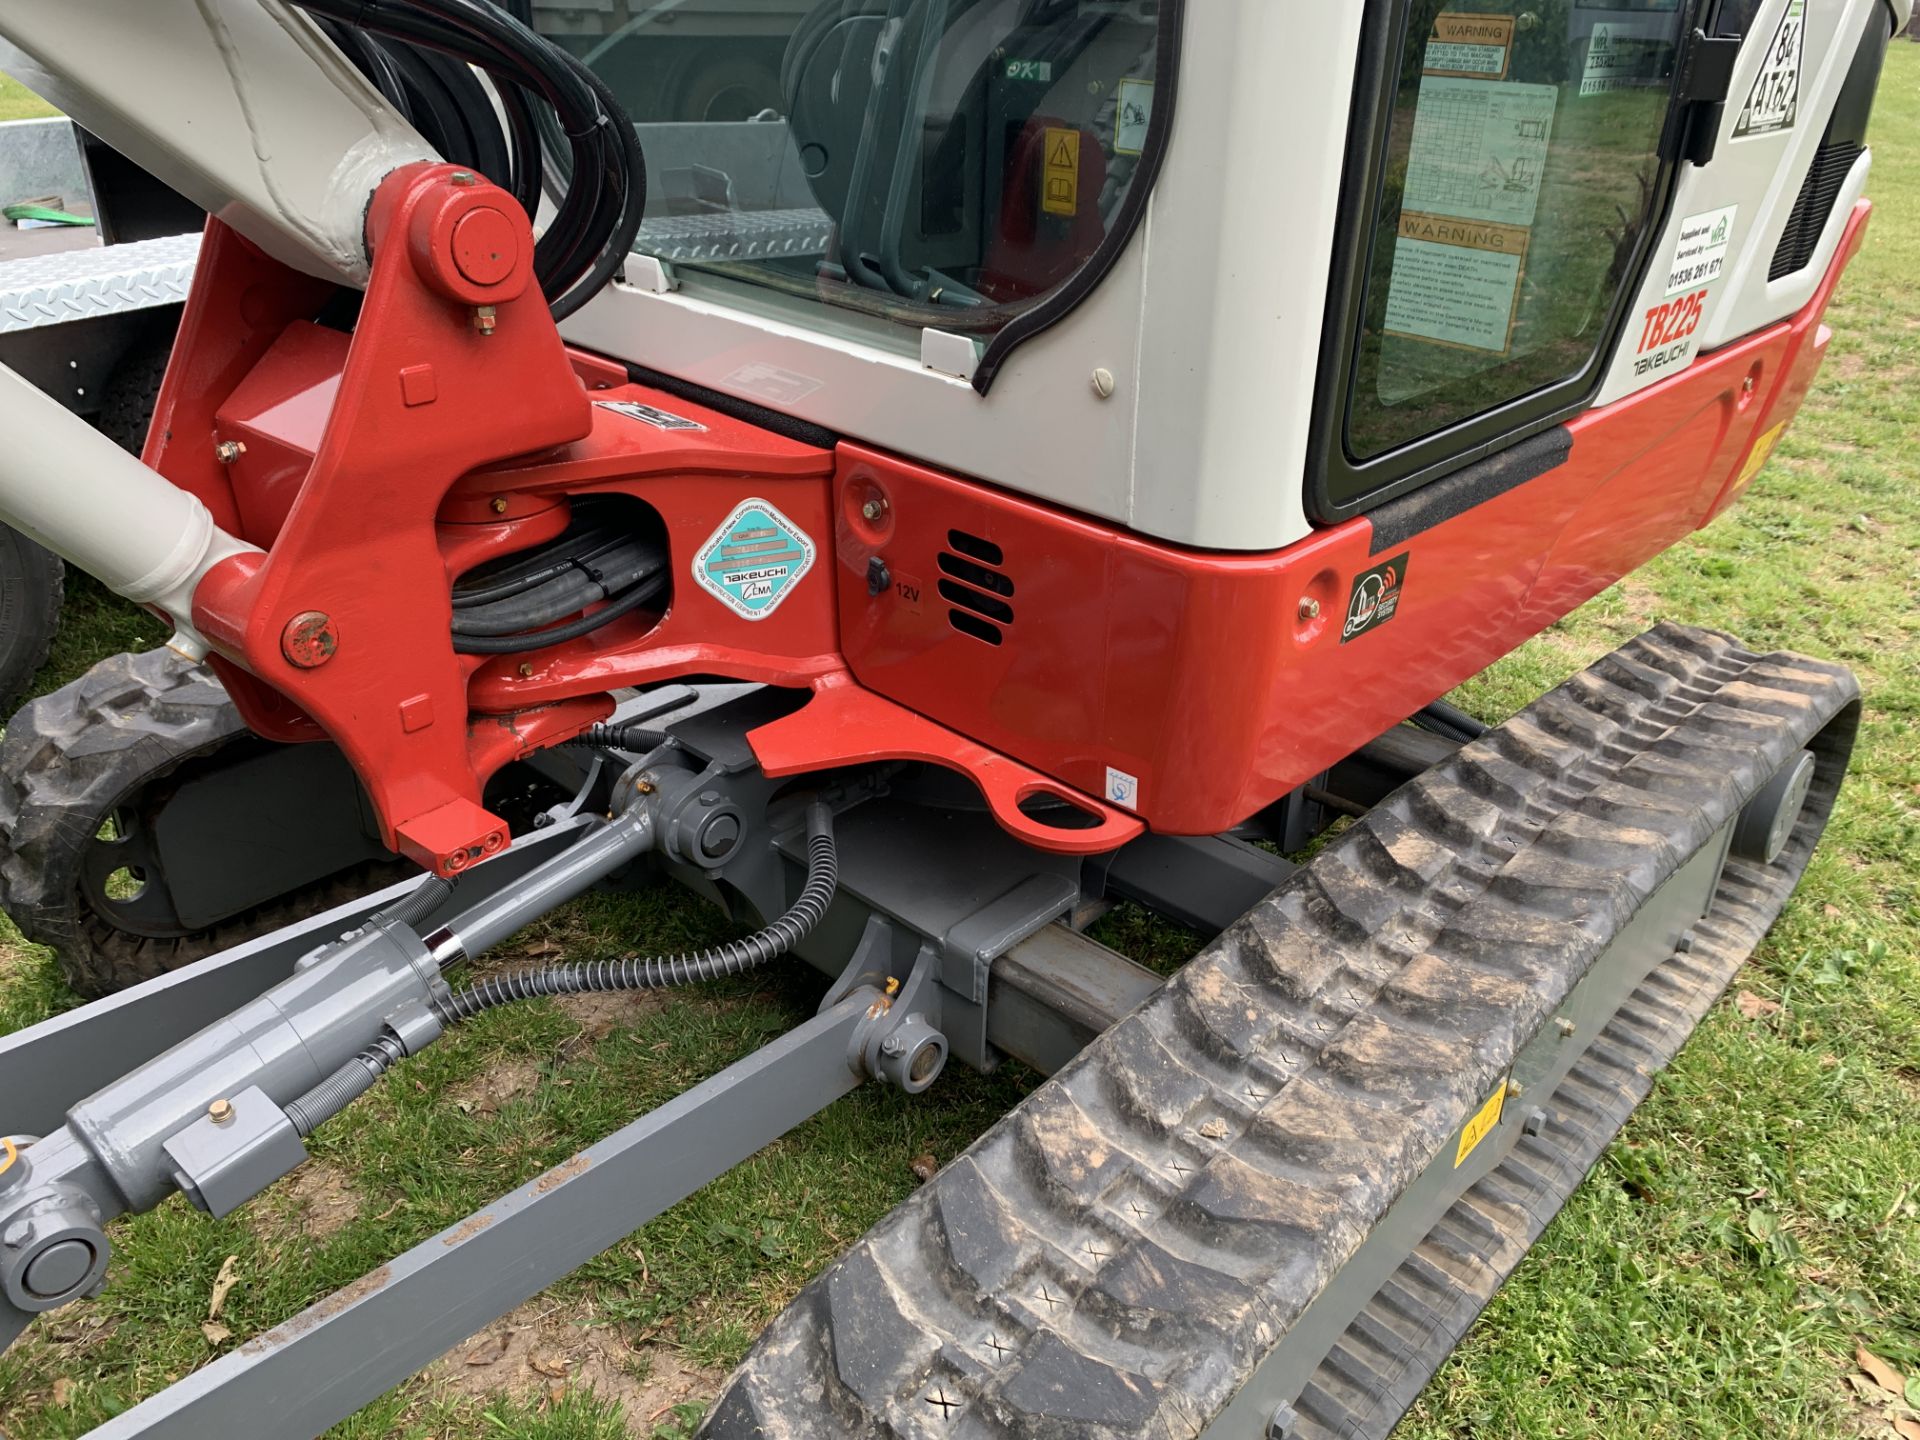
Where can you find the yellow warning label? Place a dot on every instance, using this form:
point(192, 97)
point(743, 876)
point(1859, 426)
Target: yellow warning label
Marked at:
point(1060, 180)
point(1481, 1125)
point(1762, 452)
point(1470, 47)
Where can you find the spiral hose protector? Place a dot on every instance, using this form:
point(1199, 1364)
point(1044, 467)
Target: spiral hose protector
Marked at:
point(345, 1085)
point(636, 973)
point(415, 906)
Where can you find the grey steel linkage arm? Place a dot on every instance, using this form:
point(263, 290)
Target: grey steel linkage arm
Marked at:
point(209, 1116)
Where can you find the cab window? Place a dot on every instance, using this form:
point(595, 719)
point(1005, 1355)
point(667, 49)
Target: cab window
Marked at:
point(1522, 172)
point(935, 162)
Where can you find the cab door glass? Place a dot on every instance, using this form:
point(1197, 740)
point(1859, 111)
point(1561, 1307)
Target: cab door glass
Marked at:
point(1523, 170)
point(933, 162)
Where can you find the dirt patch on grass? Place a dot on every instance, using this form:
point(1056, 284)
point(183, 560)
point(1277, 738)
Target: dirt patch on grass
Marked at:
point(545, 1348)
point(598, 1016)
point(493, 1088)
point(318, 1200)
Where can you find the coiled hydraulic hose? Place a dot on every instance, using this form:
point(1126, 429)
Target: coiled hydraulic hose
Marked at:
point(637, 973)
point(357, 1076)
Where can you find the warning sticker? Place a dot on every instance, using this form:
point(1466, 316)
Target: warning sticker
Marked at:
point(1483, 1124)
point(1123, 789)
point(1774, 103)
point(1701, 252)
point(1762, 452)
point(1375, 598)
point(1476, 46)
point(1456, 281)
point(1060, 177)
point(1479, 149)
point(752, 561)
point(1130, 121)
point(647, 415)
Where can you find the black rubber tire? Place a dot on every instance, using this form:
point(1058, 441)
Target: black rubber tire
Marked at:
point(133, 390)
point(32, 586)
point(68, 760)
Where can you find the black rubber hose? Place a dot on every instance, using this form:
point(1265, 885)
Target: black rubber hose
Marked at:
point(420, 902)
point(568, 593)
point(633, 735)
point(539, 639)
point(636, 973)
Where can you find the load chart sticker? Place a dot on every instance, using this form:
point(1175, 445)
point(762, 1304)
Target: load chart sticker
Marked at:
point(1774, 102)
point(1470, 46)
point(1375, 598)
point(1474, 169)
point(754, 558)
point(1701, 252)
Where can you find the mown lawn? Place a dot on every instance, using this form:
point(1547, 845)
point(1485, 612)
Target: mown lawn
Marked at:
point(19, 103)
point(1713, 1278)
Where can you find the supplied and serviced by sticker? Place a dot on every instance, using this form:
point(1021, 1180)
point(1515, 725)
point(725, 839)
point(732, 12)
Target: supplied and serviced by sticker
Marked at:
point(1774, 102)
point(648, 415)
point(753, 560)
point(1700, 254)
point(1375, 597)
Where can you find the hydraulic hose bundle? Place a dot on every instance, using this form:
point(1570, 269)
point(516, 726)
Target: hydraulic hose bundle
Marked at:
point(507, 607)
point(417, 54)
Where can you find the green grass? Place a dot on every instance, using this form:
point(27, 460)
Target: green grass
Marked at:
point(1712, 1278)
point(19, 103)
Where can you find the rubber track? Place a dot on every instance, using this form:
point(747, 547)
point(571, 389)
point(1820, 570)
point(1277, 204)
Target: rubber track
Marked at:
point(1117, 1255)
point(66, 759)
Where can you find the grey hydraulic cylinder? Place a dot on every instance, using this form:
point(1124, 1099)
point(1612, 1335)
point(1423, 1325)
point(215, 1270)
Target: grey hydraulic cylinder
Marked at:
point(303, 1029)
point(568, 874)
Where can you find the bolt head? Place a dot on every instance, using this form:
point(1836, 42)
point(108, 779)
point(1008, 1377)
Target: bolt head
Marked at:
point(220, 1112)
point(893, 1045)
point(1309, 608)
point(873, 510)
point(499, 503)
point(228, 451)
point(1565, 1025)
point(484, 319)
point(526, 669)
point(1104, 384)
point(309, 640)
point(462, 178)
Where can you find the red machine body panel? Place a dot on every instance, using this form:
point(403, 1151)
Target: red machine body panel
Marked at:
point(1141, 683)
point(1207, 686)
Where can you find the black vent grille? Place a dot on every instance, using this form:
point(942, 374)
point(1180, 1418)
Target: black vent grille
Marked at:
point(973, 581)
point(1831, 164)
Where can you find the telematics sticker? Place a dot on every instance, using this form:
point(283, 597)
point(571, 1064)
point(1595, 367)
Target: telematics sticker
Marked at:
point(1375, 598)
point(1123, 789)
point(646, 414)
point(1774, 102)
point(752, 561)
